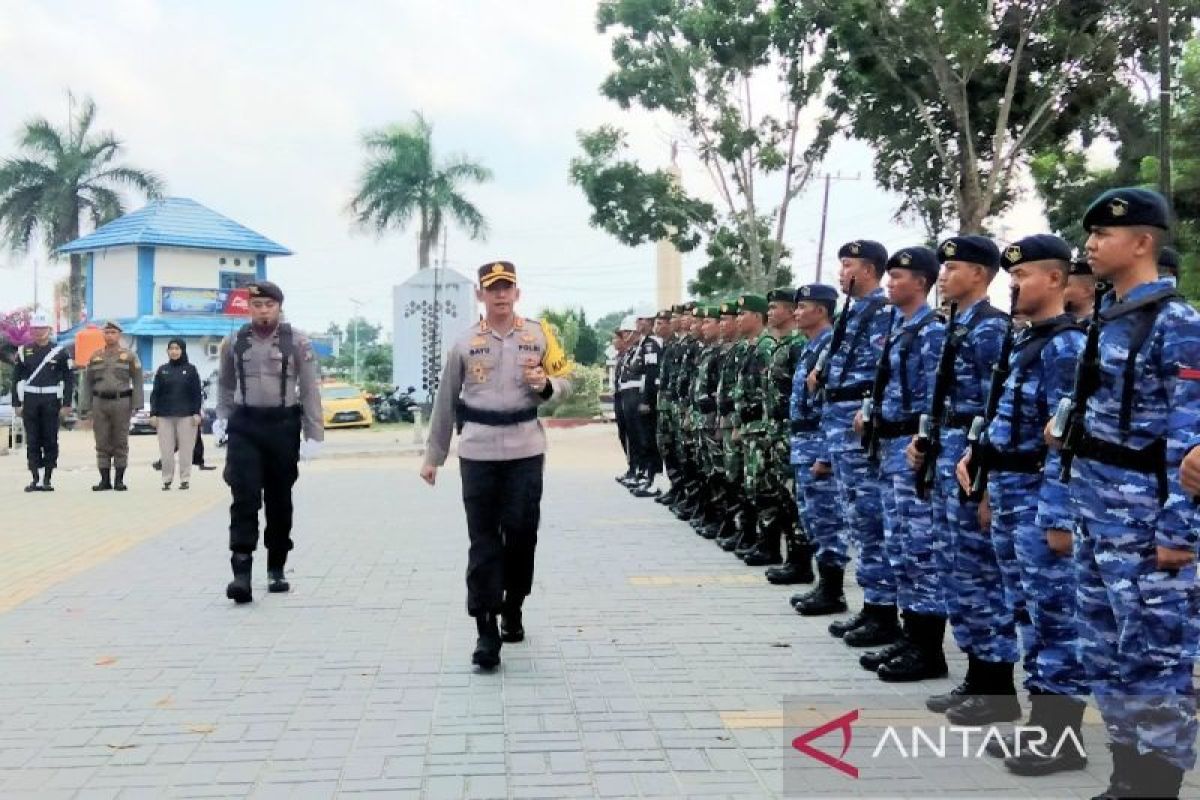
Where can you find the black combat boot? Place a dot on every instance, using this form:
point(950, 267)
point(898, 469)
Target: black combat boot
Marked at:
point(996, 701)
point(827, 598)
point(627, 478)
point(797, 569)
point(767, 551)
point(871, 660)
point(276, 583)
point(119, 480)
point(925, 659)
point(1121, 782)
point(105, 483)
point(741, 520)
point(879, 628)
point(1055, 714)
point(238, 589)
point(1154, 776)
point(1037, 719)
point(940, 703)
point(34, 485)
point(511, 627)
point(487, 646)
point(46, 485)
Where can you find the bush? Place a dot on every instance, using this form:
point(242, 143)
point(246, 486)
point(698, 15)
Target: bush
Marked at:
point(584, 402)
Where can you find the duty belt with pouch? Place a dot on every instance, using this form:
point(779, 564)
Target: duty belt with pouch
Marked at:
point(55, 390)
point(1149, 460)
point(895, 428)
point(844, 394)
point(1025, 462)
point(464, 413)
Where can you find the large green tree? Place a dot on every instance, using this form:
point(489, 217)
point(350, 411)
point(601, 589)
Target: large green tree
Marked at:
point(61, 178)
point(956, 95)
point(404, 181)
point(740, 78)
point(728, 270)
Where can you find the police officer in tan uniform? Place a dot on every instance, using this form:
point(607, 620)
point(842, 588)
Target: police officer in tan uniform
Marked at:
point(112, 388)
point(269, 394)
point(497, 375)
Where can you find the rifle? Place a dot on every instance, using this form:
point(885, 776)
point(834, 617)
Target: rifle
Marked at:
point(872, 405)
point(977, 436)
point(929, 430)
point(825, 362)
point(1067, 424)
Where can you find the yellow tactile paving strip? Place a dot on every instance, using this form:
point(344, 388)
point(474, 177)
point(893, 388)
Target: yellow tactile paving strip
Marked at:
point(47, 538)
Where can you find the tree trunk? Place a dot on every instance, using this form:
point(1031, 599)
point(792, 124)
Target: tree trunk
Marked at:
point(974, 209)
point(76, 291)
point(424, 243)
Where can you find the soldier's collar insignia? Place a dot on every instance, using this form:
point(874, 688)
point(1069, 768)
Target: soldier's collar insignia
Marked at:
point(1118, 207)
point(855, 248)
point(949, 249)
point(1013, 253)
point(905, 259)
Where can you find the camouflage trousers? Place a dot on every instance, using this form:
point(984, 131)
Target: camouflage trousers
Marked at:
point(732, 461)
point(817, 505)
point(973, 587)
point(858, 489)
point(1137, 623)
point(664, 432)
point(908, 534)
point(1038, 582)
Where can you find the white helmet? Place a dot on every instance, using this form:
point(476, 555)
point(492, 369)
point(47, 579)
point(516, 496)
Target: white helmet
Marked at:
point(40, 319)
point(644, 311)
point(628, 324)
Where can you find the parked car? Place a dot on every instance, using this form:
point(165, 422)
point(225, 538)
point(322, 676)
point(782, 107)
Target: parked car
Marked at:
point(344, 406)
point(140, 421)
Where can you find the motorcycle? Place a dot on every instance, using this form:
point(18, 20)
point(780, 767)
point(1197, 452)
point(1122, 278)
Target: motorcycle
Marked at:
point(395, 406)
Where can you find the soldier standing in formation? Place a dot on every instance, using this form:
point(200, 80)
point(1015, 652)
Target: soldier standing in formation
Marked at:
point(624, 344)
point(269, 396)
point(497, 375)
point(43, 385)
point(1085, 548)
point(112, 388)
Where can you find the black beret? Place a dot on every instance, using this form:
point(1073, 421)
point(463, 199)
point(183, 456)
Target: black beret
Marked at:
point(1079, 266)
point(688, 307)
point(265, 289)
point(1168, 260)
point(973, 249)
point(781, 296)
point(818, 293)
point(1125, 207)
point(921, 260)
point(866, 249)
point(664, 314)
point(1042, 247)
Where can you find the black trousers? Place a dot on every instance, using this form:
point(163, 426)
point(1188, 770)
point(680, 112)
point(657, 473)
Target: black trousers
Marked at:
point(634, 432)
point(622, 428)
point(39, 412)
point(503, 503)
point(261, 466)
point(651, 461)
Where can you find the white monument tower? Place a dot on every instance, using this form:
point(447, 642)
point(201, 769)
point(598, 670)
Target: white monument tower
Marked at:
point(669, 259)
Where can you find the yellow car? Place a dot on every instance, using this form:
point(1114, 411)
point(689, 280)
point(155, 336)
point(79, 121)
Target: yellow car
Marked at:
point(344, 406)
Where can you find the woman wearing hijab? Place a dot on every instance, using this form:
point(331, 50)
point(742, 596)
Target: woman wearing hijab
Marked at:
point(175, 412)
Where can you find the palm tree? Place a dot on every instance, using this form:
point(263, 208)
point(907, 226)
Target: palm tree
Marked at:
point(402, 180)
point(62, 178)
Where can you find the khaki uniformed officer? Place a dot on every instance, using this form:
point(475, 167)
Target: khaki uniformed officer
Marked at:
point(112, 388)
point(496, 376)
point(269, 394)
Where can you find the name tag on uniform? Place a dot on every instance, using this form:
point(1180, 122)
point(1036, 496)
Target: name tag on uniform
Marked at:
point(530, 361)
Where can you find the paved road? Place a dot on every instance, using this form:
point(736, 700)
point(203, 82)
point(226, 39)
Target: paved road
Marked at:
point(656, 666)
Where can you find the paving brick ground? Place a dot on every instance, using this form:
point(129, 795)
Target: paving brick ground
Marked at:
point(656, 665)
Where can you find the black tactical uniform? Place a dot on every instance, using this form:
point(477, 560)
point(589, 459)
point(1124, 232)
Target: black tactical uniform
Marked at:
point(42, 384)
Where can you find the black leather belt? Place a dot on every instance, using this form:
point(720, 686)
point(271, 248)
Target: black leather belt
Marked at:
point(114, 395)
point(894, 429)
point(1150, 460)
point(268, 413)
point(1029, 462)
point(842, 394)
point(805, 425)
point(481, 416)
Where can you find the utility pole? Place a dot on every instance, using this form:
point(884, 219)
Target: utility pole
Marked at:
point(1164, 101)
point(825, 216)
point(356, 323)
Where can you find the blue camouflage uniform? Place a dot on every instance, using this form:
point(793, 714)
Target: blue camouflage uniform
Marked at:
point(1026, 500)
point(913, 549)
point(973, 589)
point(850, 372)
point(1137, 629)
point(816, 498)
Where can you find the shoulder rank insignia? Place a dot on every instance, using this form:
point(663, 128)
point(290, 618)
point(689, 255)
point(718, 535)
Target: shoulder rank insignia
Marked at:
point(123, 357)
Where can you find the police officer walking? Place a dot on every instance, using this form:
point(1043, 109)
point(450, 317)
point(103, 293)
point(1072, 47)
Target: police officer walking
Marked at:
point(268, 395)
point(112, 388)
point(42, 387)
point(497, 375)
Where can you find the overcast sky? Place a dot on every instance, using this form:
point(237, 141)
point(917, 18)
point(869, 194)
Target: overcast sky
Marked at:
point(256, 110)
